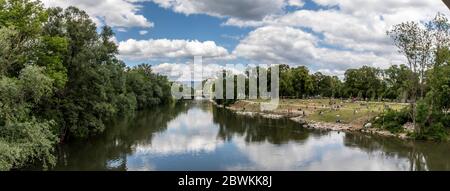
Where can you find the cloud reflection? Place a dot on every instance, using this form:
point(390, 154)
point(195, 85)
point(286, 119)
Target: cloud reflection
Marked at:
point(316, 153)
point(191, 132)
point(192, 142)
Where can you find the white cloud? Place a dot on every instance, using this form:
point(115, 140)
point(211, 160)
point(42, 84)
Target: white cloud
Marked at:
point(346, 34)
point(183, 72)
point(143, 32)
point(324, 153)
point(186, 134)
point(364, 7)
point(165, 48)
point(116, 13)
point(175, 71)
point(236, 11)
point(342, 34)
point(296, 3)
point(287, 45)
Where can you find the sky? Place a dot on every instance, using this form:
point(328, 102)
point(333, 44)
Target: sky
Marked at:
point(327, 36)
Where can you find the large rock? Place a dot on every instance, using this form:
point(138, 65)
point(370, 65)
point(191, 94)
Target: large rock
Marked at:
point(368, 125)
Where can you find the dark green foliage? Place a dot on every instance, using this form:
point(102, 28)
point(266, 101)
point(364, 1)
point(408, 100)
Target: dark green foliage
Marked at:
point(23, 138)
point(148, 88)
point(23, 18)
point(435, 132)
point(224, 100)
point(298, 83)
point(392, 120)
point(23, 143)
point(398, 85)
point(364, 83)
point(60, 78)
point(99, 86)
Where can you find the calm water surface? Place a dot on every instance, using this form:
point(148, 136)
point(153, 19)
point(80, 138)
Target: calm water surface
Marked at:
point(199, 136)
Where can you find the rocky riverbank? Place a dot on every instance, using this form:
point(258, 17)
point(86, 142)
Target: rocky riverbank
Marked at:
point(310, 124)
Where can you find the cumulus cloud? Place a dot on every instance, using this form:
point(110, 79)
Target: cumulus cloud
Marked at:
point(165, 48)
point(187, 135)
point(237, 11)
point(116, 13)
point(341, 35)
point(361, 25)
point(183, 72)
point(287, 45)
point(314, 154)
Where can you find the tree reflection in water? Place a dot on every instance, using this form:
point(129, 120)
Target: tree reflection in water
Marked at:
point(421, 155)
point(200, 136)
point(108, 151)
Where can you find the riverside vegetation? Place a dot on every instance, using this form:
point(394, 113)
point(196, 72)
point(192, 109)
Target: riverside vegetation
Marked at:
point(60, 80)
point(420, 88)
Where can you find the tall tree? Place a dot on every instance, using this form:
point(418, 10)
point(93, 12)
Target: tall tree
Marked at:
point(21, 22)
point(302, 82)
point(364, 82)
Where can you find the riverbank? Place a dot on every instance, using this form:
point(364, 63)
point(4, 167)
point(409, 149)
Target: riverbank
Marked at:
point(199, 136)
point(325, 114)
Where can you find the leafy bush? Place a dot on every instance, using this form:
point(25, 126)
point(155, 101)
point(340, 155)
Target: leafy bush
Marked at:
point(23, 139)
point(434, 132)
point(27, 143)
point(446, 121)
point(392, 120)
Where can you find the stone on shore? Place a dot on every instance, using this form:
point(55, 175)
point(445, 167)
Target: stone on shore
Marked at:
point(368, 125)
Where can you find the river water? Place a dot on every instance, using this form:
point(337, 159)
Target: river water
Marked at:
point(199, 136)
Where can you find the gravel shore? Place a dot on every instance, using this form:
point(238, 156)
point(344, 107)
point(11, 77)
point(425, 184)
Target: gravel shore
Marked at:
point(308, 124)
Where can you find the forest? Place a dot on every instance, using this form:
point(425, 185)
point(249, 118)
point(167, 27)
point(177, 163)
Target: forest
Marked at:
point(60, 79)
point(423, 81)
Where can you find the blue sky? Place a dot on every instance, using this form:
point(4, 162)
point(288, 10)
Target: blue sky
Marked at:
point(327, 36)
point(171, 25)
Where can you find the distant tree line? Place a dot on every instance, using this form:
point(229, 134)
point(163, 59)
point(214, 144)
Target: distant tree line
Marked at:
point(423, 81)
point(365, 83)
point(60, 79)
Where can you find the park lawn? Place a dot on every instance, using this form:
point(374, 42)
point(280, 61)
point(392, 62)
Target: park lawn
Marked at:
point(356, 113)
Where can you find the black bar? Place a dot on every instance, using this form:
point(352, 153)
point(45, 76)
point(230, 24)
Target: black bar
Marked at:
point(279, 180)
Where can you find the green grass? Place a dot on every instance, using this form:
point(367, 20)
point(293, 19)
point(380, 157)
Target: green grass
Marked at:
point(348, 112)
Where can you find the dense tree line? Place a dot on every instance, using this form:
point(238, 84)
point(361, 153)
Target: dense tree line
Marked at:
point(60, 78)
point(429, 101)
point(365, 83)
point(426, 48)
point(424, 81)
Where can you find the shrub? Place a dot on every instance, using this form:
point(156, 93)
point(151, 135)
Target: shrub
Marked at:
point(26, 143)
point(434, 132)
point(392, 120)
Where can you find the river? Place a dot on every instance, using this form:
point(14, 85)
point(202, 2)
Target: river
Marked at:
point(199, 136)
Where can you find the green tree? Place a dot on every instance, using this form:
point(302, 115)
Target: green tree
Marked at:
point(286, 86)
point(23, 138)
point(22, 20)
point(364, 82)
point(397, 79)
point(302, 82)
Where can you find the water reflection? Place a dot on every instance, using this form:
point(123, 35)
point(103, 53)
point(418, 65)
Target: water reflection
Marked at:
point(189, 132)
point(199, 136)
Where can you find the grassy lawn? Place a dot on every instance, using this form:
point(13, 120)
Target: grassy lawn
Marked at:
point(326, 110)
